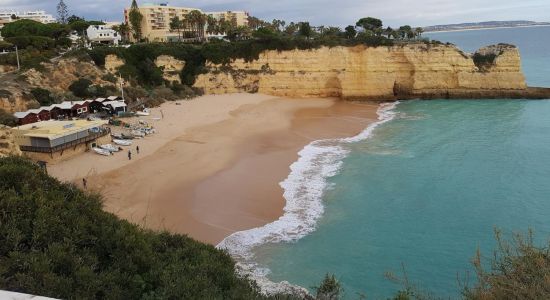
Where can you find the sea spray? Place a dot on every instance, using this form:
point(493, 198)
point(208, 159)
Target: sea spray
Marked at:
point(303, 191)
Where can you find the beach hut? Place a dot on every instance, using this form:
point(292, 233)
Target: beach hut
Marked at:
point(115, 107)
point(26, 117)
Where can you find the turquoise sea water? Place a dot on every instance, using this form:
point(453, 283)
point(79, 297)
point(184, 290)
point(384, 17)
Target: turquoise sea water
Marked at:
point(427, 188)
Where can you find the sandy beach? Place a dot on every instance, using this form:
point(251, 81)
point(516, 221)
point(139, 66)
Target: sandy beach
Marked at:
point(215, 164)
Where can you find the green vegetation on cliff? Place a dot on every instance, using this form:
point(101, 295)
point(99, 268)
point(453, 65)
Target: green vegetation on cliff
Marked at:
point(55, 240)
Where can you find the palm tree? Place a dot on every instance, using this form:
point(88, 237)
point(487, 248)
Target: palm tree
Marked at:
point(212, 25)
point(176, 24)
point(123, 29)
point(197, 20)
point(418, 31)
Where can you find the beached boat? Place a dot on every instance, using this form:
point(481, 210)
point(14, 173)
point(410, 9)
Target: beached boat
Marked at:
point(101, 151)
point(137, 133)
point(144, 113)
point(122, 142)
point(109, 147)
point(126, 136)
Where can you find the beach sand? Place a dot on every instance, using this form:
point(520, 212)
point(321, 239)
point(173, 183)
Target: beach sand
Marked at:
point(215, 164)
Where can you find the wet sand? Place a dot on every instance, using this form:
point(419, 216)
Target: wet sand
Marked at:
point(220, 173)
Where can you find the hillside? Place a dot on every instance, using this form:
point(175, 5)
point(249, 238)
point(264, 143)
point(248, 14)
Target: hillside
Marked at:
point(56, 241)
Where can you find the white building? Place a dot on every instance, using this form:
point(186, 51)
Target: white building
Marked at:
point(35, 15)
point(102, 34)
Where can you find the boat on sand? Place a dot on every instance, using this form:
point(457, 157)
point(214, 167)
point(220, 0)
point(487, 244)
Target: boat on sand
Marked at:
point(109, 147)
point(122, 142)
point(101, 151)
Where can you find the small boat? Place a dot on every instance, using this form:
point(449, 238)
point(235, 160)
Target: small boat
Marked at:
point(126, 136)
point(145, 112)
point(122, 142)
point(116, 135)
point(109, 147)
point(101, 151)
point(137, 133)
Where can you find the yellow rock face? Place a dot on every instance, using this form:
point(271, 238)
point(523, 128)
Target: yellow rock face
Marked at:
point(171, 67)
point(7, 142)
point(112, 62)
point(365, 72)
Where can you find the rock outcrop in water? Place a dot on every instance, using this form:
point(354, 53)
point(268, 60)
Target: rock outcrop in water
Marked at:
point(380, 73)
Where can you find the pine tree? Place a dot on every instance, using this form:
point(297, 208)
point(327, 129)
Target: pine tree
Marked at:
point(135, 20)
point(62, 12)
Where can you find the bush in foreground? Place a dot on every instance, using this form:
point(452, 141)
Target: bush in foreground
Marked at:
point(55, 240)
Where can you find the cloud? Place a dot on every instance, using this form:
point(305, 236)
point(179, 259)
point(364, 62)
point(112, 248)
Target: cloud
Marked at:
point(326, 12)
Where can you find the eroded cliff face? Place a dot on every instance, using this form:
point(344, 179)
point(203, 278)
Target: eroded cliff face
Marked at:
point(60, 75)
point(368, 73)
point(7, 142)
point(171, 67)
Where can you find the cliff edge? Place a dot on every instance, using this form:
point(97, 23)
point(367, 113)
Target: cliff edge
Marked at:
point(377, 73)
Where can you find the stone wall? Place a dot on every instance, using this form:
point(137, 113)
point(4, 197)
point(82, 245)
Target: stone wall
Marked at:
point(366, 72)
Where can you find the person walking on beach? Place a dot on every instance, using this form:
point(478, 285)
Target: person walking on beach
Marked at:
point(137, 149)
point(129, 154)
point(85, 183)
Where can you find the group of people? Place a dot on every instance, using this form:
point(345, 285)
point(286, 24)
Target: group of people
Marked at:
point(130, 153)
point(85, 182)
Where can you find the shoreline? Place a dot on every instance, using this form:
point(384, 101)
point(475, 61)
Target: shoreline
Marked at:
point(487, 28)
point(218, 174)
point(303, 191)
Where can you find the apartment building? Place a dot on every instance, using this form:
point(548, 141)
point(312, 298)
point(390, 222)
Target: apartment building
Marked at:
point(35, 15)
point(238, 18)
point(155, 26)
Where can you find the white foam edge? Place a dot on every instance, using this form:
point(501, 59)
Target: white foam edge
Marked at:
point(303, 191)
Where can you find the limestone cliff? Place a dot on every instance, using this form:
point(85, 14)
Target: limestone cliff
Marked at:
point(59, 75)
point(7, 142)
point(397, 72)
point(171, 67)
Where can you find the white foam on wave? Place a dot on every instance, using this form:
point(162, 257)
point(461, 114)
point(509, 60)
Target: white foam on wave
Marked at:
point(303, 191)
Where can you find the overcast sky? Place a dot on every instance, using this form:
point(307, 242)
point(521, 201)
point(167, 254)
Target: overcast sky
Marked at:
point(325, 12)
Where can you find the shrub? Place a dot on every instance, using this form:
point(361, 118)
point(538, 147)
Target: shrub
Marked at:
point(109, 77)
point(483, 62)
point(43, 96)
point(163, 93)
point(6, 46)
point(56, 241)
point(80, 87)
point(7, 118)
point(37, 42)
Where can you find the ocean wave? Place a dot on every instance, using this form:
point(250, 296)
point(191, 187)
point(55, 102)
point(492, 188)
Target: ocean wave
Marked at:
point(303, 191)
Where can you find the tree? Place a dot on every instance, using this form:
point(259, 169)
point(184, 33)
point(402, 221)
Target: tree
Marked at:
point(123, 29)
point(74, 18)
point(405, 32)
point(14, 17)
point(419, 31)
point(176, 25)
point(212, 25)
point(43, 96)
point(197, 20)
point(80, 87)
point(305, 29)
point(254, 23)
point(135, 20)
point(330, 289)
point(370, 23)
point(79, 26)
point(62, 12)
point(388, 32)
point(350, 32)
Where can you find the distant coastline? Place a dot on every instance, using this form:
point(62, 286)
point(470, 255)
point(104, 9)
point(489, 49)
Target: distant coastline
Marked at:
point(482, 26)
